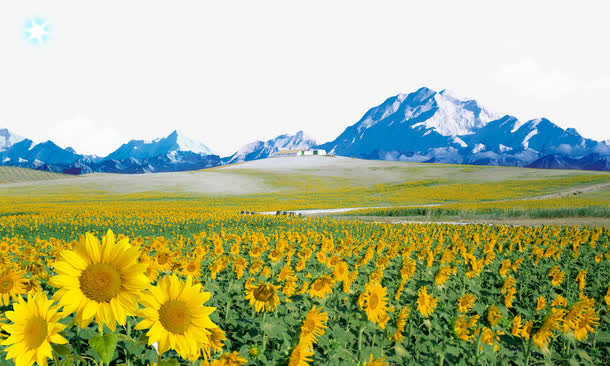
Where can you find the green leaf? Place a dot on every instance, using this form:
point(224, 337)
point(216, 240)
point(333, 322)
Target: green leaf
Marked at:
point(61, 349)
point(104, 346)
point(602, 337)
point(170, 362)
point(584, 356)
point(401, 351)
point(67, 362)
point(125, 338)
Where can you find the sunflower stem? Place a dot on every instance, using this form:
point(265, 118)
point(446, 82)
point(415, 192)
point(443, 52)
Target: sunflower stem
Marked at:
point(528, 351)
point(264, 338)
point(360, 341)
point(55, 358)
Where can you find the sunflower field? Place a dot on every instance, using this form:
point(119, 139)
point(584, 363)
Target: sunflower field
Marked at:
point(176, 284)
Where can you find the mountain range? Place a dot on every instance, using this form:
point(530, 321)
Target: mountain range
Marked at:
point(423, 126)
point(439, 127)
point(176, 152)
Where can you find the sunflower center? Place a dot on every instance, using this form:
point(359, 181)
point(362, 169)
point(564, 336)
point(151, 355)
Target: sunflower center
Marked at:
point(263, 293)
point(373, 301)
point(191, 268)
point(6, 284)
point(35, 332)
point(318, 285)
point(100, 282)
point(163, 259)
point(175, 316)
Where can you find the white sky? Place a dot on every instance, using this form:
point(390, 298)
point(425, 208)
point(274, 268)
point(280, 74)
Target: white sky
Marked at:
point(231, 72)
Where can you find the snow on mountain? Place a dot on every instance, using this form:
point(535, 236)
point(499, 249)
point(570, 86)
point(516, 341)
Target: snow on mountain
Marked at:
point(504, 148)
point(188, 144)
point(478, 148)
point(175, 141)
point(260, 150)
point(175, 152)
point(459, 141)
point(455, 115)
point(430, 126)
point(8, 139)
point(525, 142)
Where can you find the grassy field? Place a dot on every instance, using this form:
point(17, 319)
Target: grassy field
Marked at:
point(11, 174)
point(317, 182)
point(269, 290)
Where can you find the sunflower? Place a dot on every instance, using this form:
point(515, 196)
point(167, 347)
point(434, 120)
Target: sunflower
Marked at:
point(461, 328)
point(321, 287)
point(588, 319)
point(581, 279)
point(493, 315)
point(12, 284)
point(558, 278)
point(215, 344)
point(517, 326)
point(552, 322)
point(300, 355)
point(401, 323)
point(285, 273)
point(262, 297)
point(239, 266)
point(230, 359)
point(100, 281)
point(313, 326)
point(559, 301)
point(35, 326)
point(349, 280)
point(340, 271)
point(425, 303)
point(374, 302)
point(465, 303)
point(164, 260)
point(301, 264)
point(540, 303)
point(509, 298)
point(487, 337)
point(191, 268)
point(176, 317)
point(443, 275)
point(408, 268)
point(376, 362)
point(290, 288)
point(581, 318)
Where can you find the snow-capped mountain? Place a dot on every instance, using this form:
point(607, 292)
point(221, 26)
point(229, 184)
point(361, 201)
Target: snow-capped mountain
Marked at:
point(175, 152)
point(260, 150)
point(424, 126)
point(26, 153)
point(8, 139)
point(176, 141)
point(429, 126)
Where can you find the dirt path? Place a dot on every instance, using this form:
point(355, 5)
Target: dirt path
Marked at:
point(570, 192)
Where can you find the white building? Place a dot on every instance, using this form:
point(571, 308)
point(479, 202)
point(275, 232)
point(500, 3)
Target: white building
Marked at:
point(311, 152)
point(298, 152)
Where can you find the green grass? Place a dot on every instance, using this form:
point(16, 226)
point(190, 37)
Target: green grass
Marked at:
point(11, 174)
point(533, 213)
point(342, 183)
